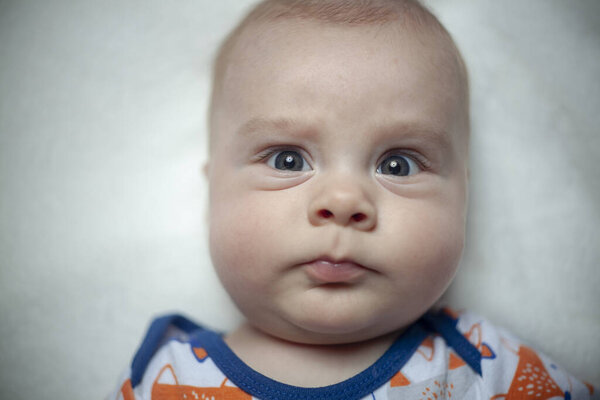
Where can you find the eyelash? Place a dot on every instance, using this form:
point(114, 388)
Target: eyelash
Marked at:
point(266, 154)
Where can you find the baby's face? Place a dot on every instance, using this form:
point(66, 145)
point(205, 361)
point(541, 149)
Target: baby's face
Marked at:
point(338, 179)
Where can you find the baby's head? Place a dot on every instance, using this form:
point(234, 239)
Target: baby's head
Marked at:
point(338, 167)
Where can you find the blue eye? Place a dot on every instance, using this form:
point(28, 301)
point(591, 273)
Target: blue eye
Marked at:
point(398, 165)
point(288, 160)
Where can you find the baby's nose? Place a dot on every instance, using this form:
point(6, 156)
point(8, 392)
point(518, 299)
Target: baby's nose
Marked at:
point(343, 204)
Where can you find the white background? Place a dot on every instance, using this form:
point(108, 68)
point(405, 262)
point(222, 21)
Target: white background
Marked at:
point(102, 202)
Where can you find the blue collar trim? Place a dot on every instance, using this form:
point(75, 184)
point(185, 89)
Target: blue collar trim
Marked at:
point(357, 387)
point(445, 325)
point(180, 328)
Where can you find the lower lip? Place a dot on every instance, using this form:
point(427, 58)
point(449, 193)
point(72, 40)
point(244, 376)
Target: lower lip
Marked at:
point(324, 272)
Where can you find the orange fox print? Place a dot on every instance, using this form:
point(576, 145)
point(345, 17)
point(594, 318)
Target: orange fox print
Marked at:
point(531, 380)
point(399, 380)
point(127, 390)
point(174, 391)
point(449, 385)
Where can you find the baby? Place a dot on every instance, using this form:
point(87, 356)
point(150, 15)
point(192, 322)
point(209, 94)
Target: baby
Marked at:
point(338, 173)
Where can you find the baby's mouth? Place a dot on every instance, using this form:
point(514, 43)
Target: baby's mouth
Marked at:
point(324, 271)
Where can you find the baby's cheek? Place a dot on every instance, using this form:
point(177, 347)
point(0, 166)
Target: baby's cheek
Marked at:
point(238, 236)
point(428, 245)
point(442, 249)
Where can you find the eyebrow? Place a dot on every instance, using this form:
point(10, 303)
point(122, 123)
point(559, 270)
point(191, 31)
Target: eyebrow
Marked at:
point(405, 129)
point(415, 130)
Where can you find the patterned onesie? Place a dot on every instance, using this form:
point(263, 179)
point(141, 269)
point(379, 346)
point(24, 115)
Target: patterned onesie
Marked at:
point(443, 355)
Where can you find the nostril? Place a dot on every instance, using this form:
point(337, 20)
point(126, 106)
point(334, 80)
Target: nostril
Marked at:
point(325, 214)
point(358, 217)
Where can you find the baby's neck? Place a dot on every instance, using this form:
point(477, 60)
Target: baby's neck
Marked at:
point(305, 365)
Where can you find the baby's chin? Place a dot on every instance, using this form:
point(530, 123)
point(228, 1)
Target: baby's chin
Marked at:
point(317, 330)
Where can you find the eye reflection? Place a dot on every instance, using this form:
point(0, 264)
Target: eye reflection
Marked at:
point(398, 165)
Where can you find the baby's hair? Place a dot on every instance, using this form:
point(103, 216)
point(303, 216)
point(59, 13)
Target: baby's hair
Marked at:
point(340, 11)
point(409, 14)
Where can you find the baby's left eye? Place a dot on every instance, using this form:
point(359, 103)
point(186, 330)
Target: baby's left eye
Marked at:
point(398, 165)
point(288, 160)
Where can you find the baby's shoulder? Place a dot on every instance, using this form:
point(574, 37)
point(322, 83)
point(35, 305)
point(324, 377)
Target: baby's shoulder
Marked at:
point(169, 362)
point(506, 366)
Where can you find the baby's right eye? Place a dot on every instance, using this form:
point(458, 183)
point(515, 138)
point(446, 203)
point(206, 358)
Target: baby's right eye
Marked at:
point(288, 160)
point(398, 165)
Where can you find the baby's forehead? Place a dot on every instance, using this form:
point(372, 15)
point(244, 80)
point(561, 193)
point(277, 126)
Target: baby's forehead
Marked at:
point(272, 17)
point(388, 43)
point(265, 31)
point(310, 47)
